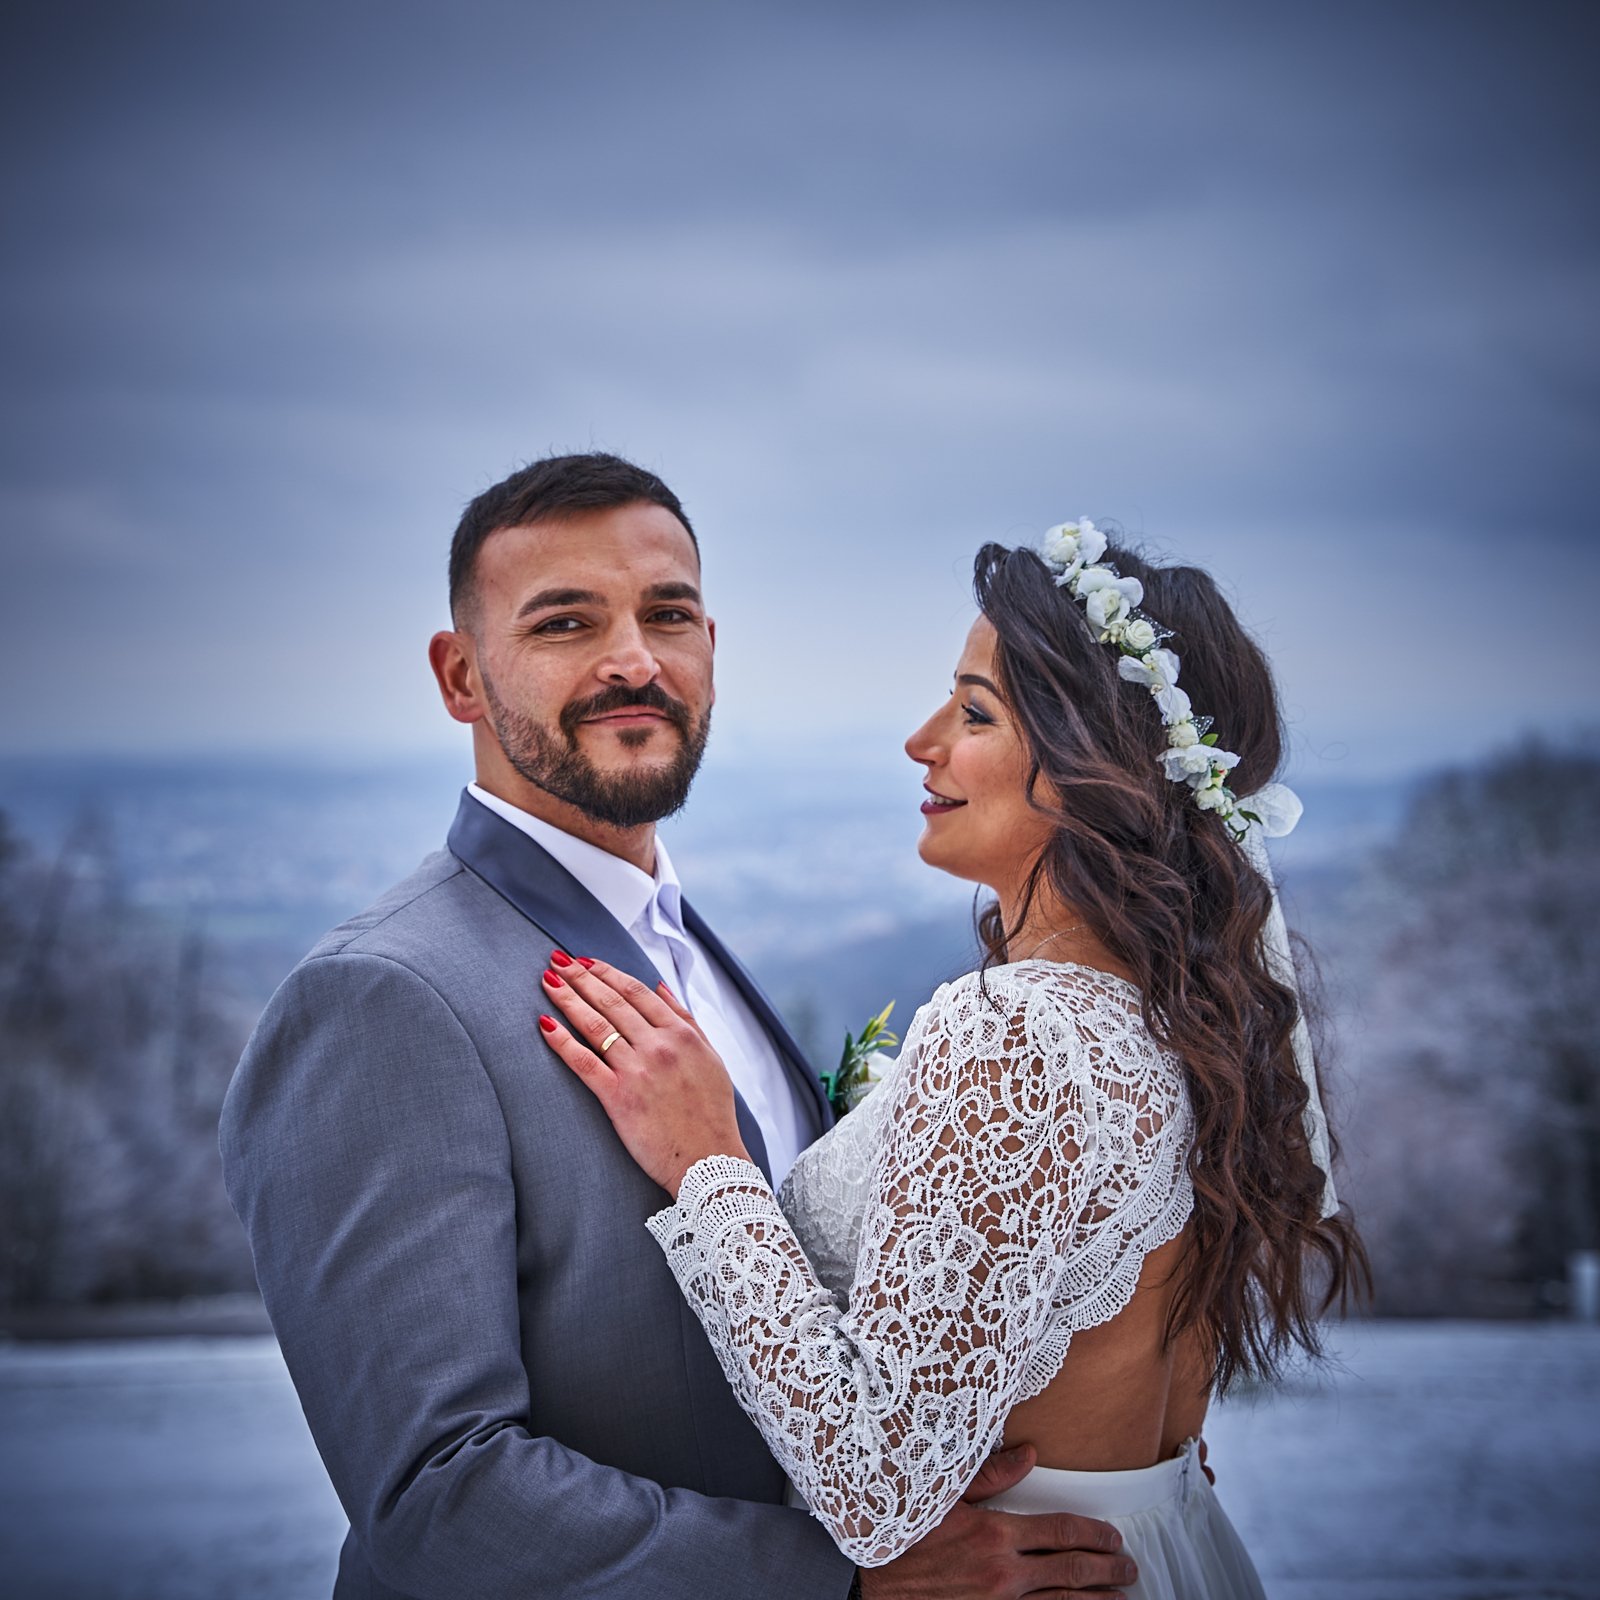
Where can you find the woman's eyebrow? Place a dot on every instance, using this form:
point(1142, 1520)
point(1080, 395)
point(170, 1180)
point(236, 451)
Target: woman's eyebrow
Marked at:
point(981, 683)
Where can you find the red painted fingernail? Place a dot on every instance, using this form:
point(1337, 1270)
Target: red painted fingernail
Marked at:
point(548, 1024)
point(551, 979)
point(584, 961)
point(560, 958)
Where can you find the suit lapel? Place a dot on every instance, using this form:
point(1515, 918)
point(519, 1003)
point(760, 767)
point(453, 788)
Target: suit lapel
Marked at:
point(789, 1053)
point(527, 876)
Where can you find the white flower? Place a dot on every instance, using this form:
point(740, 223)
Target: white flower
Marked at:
point(1139, 635)
point(1069, 546)
point(1107, 609)
point(873, 1071)
point(1277, 807)
point(1185, 764)
point(1175, 707)
point(1156, 669)
point(1214, 797)
point(1182, 735)
point(1060, 546)
point(1093, 579)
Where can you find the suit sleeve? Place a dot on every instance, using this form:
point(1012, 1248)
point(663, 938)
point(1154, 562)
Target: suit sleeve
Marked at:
point(366, 1153)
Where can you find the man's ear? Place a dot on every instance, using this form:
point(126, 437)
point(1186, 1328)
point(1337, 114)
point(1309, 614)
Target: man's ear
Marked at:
point(453, 657)
point(711, 633)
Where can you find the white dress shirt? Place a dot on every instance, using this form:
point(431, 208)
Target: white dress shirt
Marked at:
point(651, 909)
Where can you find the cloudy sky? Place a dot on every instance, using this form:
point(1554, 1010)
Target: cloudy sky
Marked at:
point(1307, 295)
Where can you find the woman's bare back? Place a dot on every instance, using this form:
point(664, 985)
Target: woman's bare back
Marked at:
point(1121, 1400)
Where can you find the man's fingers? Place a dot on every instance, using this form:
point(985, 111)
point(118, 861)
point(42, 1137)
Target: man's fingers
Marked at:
point(1005, 1469)
point(1075, 1571)
point(1052, 1533)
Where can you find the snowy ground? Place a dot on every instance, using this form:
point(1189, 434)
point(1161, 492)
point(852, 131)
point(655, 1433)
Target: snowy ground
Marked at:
point(1442, 1462)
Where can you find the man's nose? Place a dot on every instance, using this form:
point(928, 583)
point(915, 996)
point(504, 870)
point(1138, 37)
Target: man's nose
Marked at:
point(628, 658)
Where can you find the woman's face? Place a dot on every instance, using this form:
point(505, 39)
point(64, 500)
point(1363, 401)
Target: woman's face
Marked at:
point(979, 823)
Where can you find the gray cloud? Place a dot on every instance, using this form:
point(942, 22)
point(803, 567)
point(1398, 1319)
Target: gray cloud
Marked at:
point(1306, 297)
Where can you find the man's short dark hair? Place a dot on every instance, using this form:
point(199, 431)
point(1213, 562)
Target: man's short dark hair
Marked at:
point(555, 487)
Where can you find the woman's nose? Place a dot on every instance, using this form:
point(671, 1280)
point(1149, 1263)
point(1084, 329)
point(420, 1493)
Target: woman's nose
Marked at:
point(923, 746)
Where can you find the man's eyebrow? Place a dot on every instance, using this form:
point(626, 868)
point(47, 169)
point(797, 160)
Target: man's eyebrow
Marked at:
point(559, 597)
point(673, 591)
point(982, 683)
point(546, 598)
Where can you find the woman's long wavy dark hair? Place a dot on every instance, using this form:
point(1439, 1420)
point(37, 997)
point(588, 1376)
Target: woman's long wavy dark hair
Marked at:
point(1163, 884)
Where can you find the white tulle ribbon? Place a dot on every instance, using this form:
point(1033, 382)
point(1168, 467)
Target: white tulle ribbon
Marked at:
point(1276, 809)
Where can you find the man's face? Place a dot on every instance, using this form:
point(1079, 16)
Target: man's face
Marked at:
point(594, 650)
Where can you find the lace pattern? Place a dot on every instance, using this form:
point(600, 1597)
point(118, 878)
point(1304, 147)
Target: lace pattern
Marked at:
point(998, 1194)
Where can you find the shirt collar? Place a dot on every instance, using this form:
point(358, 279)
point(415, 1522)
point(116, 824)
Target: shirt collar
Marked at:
point(618, 885)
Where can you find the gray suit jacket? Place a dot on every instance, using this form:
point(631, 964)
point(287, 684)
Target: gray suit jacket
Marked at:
point(510, 1395)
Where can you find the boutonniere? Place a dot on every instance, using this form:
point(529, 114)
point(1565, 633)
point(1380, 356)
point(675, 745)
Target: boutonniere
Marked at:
point(862, 1067)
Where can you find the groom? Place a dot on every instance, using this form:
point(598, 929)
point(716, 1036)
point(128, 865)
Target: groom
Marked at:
point(510, 1395)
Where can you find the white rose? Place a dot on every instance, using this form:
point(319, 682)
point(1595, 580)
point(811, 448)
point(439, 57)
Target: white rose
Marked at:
point(1107, 608)
point(1091, 542)
point(1139, 635)
point(1214, 797)
point(1061, 546)
point(1181, 735)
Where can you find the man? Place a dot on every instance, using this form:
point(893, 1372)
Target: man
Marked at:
point(508, 1391)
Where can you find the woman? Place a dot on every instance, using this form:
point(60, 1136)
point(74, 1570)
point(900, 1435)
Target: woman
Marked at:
point(1093, 1190)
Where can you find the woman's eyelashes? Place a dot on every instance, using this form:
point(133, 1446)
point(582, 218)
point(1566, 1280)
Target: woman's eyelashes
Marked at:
point(975, 715)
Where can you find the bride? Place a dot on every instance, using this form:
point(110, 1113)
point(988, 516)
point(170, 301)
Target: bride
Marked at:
point(1094, 1189)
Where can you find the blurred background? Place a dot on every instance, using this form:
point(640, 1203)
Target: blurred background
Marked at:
point(1303, 295)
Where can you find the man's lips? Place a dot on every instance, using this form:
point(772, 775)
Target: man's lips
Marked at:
point(936, 804)
point(633, 714)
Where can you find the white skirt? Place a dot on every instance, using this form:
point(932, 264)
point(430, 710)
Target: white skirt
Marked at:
point(1170, 1520)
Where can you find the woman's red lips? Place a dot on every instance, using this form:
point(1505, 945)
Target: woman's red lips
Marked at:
point(935, 803)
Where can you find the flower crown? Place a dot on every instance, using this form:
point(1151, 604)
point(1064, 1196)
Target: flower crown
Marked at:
point(1072, 551)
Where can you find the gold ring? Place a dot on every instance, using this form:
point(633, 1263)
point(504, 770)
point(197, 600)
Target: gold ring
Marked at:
point(607, 1042)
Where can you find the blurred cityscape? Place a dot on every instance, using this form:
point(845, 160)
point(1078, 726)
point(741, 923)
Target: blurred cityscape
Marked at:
point(148, 911)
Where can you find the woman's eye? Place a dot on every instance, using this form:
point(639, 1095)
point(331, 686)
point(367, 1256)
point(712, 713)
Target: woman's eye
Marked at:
point(973, 716)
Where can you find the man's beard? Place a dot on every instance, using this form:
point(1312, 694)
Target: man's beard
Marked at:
point(557, 764)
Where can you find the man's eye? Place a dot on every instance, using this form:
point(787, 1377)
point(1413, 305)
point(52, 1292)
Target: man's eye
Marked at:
point(672, 614)
point(559, 625)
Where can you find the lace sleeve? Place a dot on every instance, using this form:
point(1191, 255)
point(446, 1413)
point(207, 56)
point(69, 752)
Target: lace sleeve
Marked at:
point(1034, 1152)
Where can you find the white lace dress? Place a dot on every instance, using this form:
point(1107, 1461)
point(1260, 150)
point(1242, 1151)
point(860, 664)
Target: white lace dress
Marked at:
point(937, 1251)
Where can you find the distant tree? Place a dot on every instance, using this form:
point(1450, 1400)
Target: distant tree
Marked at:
point(115, 1050)
point(1480, 1107)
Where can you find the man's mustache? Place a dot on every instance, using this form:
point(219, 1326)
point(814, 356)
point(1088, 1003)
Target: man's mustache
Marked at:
point(620, 698)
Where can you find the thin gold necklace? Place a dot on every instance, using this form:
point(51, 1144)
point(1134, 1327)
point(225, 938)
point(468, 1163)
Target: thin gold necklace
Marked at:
point(1077, 927)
